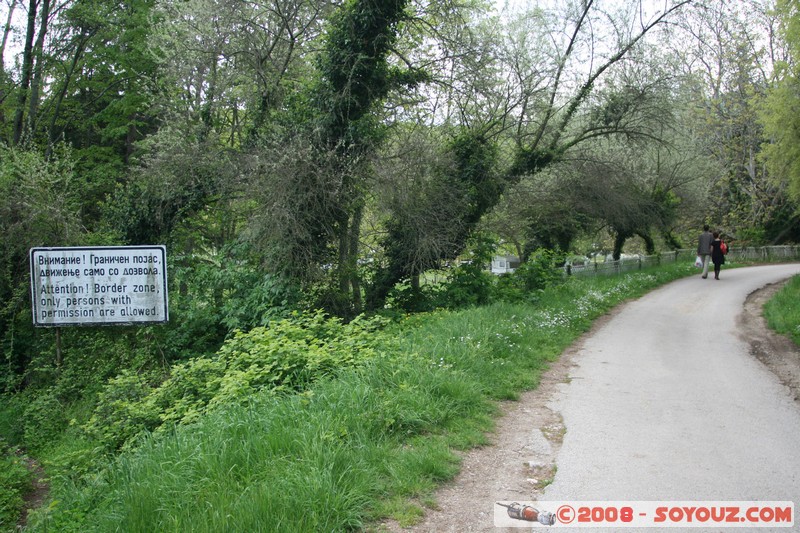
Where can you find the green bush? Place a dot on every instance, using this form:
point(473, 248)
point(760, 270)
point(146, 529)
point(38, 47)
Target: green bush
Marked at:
point(470, 284)
point(11, 408)
point(412, 299)
point(539, 271)
point(286, 356)
point(43, 421)
point(216, 295)
point(123, 410)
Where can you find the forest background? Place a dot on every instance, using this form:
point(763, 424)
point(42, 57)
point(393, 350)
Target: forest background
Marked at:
point(312, 162)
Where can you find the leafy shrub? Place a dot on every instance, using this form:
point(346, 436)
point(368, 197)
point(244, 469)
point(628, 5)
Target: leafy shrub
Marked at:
point(539, 271)
point(218, 294)
point(285, 356)
point(94, 355)
point(470, 284)
point(415, 299)
point(123, 410)
point(11, 409)
point(43, 421)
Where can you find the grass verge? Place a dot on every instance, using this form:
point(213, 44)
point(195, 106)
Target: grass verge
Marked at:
point(782, 311)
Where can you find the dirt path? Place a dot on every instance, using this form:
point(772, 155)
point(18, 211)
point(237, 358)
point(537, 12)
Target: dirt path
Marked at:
point(521, 461)
point(38, 494)
point(778, 353)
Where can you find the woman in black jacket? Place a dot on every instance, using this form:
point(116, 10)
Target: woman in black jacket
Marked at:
point(717, 257)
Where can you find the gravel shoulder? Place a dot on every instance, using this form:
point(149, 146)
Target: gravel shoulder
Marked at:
point(521, 459)
point(778, 353)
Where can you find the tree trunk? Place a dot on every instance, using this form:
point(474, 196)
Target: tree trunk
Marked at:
point(79, 49)
point(355, 235)
point(619, 242)
point(38, 66)
point(343, 274)
point(27, 70)
point(649, 244)
point(6, 33)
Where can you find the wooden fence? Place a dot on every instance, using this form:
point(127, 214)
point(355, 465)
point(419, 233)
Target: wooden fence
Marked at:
point(748, 253)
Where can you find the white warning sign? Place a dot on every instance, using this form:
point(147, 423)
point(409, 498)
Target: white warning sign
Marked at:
point(83, 286)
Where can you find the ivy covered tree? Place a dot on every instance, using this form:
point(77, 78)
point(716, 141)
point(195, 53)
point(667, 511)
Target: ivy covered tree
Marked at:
point(319, 207)
point(435, 209)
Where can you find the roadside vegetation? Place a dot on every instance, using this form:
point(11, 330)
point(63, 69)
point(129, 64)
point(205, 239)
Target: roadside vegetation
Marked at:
point(15, 481)
point(783, 312)
point(352, 424)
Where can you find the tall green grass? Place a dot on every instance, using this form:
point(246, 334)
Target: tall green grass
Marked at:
point(15, 480)
point(371, 443)
point(783, 311)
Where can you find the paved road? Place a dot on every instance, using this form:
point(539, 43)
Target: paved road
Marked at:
point(666, 404)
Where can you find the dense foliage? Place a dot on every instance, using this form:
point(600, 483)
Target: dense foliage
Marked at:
point(287, 356)
point(366, 437)
point(15, 480)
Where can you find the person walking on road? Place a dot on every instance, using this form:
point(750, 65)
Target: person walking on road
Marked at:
point(717, 255)
point(704, 248)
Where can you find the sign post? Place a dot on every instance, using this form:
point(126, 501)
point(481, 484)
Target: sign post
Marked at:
point(88, 286)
